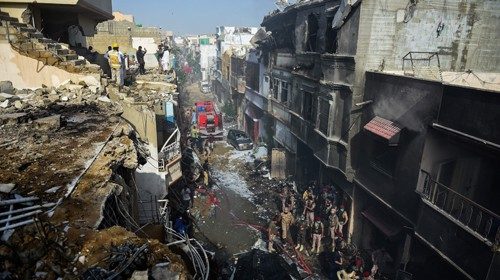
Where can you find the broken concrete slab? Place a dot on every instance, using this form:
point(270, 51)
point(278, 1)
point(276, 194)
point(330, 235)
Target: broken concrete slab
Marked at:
point(162, 271)
point(13, 118)
point(6, 87)
point(140, 275)
point(74, 87)
point(4, 96)
point(19, 105)
point(6, 188)
point(48, 123)
point(104, 99)
point(89, 81)
point(5, 104)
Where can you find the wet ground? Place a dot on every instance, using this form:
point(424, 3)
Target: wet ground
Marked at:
point(238, 223)
point(247, 201)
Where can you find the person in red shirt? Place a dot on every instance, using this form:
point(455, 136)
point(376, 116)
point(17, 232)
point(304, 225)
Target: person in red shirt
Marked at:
point(213, 203)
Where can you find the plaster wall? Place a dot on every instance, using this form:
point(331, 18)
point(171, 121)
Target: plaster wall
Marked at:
point(26, 72)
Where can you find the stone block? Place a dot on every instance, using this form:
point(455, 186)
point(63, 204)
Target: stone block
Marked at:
point(6, 87)
point(19, 105)
point(140, 275)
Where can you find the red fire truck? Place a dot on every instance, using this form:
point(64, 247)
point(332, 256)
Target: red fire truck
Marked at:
point(208, 120)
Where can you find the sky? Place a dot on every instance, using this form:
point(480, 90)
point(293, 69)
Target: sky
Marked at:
point(192, 17)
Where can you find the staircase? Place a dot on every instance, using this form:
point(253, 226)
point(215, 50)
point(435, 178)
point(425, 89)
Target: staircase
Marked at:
point(30, 42)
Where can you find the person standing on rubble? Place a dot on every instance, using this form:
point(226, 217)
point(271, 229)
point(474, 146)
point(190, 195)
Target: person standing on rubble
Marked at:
point(140, 59)
point(206, 175)
point(309, 207)
point(333, 223)
point(159, 56)
point(301, 236)
point(117, 64)
point(272, 232)
point(286, 221)
point(318, 232)
point(343, 219)
point(165, 60)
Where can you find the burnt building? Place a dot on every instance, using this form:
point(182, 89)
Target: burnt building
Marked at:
point(424, 178)
point(356, 90)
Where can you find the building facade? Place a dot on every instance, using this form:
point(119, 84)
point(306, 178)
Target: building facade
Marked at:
point(355, 89)
point(63, 21)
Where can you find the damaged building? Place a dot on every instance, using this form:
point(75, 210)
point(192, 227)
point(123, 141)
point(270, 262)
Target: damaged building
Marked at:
point(86, 168)
point(63, 21)
point(357, 91)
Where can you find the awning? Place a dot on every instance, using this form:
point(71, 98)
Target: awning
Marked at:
point(386, 225)
point(385, 129)
point(254, 113)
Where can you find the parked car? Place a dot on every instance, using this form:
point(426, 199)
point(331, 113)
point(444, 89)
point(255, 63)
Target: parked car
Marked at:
point(239, 140)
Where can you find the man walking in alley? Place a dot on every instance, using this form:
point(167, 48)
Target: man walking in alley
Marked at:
point(286, 221)
point(343, 219)
point(309, 210)
point(117, 64)
point(318, 231)
point(140, 59)
point(333, 221)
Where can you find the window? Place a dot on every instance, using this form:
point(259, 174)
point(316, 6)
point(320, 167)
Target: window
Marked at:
point(285, 87)
point(252, 75)
point(330, 37)
point(312, 33)
point(276, 85)
point(384, 157)
point(309, 107)
point(324, 114)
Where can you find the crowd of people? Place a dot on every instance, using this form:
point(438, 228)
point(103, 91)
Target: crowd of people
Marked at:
point(315, 223)
point(117, 63)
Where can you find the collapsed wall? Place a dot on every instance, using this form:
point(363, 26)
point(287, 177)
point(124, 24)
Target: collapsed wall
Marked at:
point(67, 153)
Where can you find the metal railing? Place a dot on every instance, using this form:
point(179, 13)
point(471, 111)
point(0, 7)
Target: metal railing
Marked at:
point(170, 152)
point(474, 217)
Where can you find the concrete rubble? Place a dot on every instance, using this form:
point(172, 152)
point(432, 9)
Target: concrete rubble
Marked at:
point(70, 155)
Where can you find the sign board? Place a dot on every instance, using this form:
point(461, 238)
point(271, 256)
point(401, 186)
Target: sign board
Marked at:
point(278, 164)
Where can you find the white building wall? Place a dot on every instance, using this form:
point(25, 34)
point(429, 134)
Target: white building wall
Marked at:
point(208, 54)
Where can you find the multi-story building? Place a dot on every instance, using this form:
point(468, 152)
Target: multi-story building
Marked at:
point(208, 54)
point(65, 21)
point(342, 122)
point(232, 45)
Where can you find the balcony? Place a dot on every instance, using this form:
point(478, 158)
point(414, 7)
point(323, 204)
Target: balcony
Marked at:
point(477, 220)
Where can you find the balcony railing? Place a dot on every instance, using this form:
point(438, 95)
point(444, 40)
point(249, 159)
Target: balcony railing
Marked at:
point(481, 221)
point(170, 152)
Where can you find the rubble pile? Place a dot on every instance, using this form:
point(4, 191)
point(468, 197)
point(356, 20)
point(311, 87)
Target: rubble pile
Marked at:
point(145, 93)
point(87, 91)
point(67, 153)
